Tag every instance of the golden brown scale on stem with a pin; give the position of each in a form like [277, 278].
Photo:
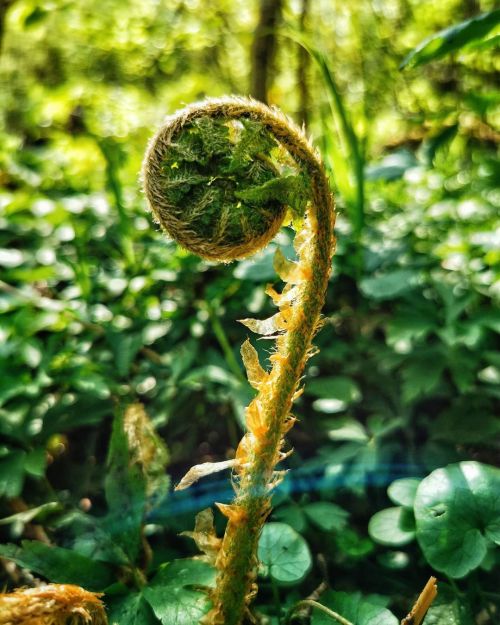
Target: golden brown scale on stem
[268, 415]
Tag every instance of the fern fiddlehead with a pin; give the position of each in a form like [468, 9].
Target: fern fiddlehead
[218, 177]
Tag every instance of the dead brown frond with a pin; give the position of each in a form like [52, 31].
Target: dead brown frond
[52, 604]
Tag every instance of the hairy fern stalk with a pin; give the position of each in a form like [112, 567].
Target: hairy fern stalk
[220, 177]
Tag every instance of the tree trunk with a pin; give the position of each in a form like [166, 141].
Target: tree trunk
[264, 48]
[302, 84]
[4, 6]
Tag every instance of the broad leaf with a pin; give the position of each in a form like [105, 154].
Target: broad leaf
[453, 38]
[60, 565]
[131, 609]
[402, 492]
[174, 592]
[447, 609]
[125, 488]
[457, 511]
[393, 527]
[38, 513]
[340, 387]
[125, 348]
[354, 608]
[421, 374]
[389, 285]
[451, 612]
[12, 474]
[284, 553]
[325, 515]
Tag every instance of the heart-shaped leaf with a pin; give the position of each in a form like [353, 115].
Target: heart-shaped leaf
[284, 553]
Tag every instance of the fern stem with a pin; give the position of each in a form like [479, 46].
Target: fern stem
[268, 416]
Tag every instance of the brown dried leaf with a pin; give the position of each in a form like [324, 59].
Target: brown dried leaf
[204, 535]
[265, 327]
[52, 604]
[233, 512]
[255, 419]
[255, 373]
[284, 299]
[202, 470]
[146, 448]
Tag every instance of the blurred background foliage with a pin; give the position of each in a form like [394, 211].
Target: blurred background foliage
[100, 311]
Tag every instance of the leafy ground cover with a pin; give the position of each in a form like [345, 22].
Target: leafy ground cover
[395, 472]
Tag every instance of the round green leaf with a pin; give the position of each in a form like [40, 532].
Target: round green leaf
[284, 552]
[353, 607]
[402, 492]
[392, 527]
[457, 512]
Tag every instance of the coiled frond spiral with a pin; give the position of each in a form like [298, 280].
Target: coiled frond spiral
[220, 177]
[216, 183]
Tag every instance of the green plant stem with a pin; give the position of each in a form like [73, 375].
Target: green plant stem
[276, 598]
[114, 185]
[318, 606]
[224, 343]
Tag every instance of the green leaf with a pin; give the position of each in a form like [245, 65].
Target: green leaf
[132, 609]
[284, 552]
[402, 492]
[292, 190]
[339, 387]
[407, 328]
[292, 515]
[467, 424]
[421, 374]
[346, 429]
[327, 516]
[125, 348]
[449, 610]
[390, 284]
[392, 527]
[12, 474]
[174, 592]
[92, 384]
[38, 513]
[36, 462]
[125, 488]
[353, 607]
[59, 565]
[392, 166]
[353, 544]
[453, 38]
[457, 512]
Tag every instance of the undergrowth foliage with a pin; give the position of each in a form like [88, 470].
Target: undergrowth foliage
[114, 340]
